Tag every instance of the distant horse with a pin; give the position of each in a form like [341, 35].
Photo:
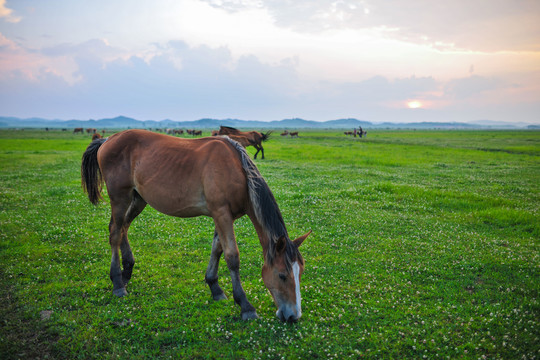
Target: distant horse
[294, 134]
[285, 133]
[210, 176]
[255, 138]
[96, 136]
[77, 130]
[242, 140]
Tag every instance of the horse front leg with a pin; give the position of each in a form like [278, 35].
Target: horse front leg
[211, 276]
[224, 226]
[233, 263]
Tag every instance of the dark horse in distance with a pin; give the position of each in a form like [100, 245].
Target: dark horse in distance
[211, 176]
[254, 138]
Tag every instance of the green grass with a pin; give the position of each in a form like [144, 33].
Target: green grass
[424, 244]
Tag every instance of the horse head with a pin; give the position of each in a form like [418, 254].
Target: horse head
[281, 274]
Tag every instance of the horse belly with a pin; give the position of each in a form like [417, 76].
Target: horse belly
[179, 205]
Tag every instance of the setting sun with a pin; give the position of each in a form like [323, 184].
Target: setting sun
[415, 104]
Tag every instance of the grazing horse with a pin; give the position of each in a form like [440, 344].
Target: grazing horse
[255, 138]
[96, 136]
[211, 176]
[77, 130]
[294, 134]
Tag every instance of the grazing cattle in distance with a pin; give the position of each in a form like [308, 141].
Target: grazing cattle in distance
[255, 138]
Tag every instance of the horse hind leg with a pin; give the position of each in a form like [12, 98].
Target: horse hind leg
[123, 212]
[258, 148]
[211, 276]
[128, 261]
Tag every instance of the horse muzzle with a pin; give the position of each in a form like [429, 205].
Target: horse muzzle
[288, 313]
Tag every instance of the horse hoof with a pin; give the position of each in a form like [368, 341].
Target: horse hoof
[250, 315]
[120, 292]
[221, 296]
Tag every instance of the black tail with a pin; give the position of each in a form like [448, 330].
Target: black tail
[266, 135]
[92, 181]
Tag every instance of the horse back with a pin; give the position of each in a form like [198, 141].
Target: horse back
[179, 177]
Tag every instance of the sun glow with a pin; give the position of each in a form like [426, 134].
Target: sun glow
[414, 104]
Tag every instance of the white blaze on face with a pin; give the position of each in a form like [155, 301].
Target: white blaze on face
[296, 273]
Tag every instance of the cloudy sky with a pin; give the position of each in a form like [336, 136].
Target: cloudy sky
[376, 60]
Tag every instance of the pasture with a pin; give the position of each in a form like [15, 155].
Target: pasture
[425, 244]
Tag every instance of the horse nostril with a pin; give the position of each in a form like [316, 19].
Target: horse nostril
[292, 319]
[286, 315]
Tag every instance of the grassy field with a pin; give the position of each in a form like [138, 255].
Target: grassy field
[425, 244]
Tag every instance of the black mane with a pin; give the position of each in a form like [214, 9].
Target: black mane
[267, 210]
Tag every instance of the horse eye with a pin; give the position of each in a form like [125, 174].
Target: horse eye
[283, 277]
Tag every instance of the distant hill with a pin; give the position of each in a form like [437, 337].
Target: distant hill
[123, 122]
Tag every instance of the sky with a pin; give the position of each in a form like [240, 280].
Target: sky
[374, 60]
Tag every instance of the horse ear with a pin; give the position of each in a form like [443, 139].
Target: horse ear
[281, 243]
[297, 242]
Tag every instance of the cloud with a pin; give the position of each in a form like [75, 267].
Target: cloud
[466, 88]
[7, 13]
[480, 25]
[208, 82]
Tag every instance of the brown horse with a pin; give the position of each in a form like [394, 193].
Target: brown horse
[242, 140]
[210, 176]
[96, 136]
[255, 138]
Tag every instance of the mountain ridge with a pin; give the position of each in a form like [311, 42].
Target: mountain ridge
[122, 122]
